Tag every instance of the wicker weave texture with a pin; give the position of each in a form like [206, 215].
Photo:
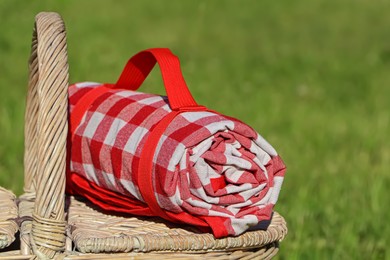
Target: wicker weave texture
[15, 255]
[8, 216]
[95, 232]
[262, 253]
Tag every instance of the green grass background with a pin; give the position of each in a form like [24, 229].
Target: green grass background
[313, 77]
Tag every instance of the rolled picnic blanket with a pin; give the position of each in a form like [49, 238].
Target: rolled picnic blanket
[151, 155]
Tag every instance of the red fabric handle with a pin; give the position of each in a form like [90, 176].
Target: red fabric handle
[139, 67]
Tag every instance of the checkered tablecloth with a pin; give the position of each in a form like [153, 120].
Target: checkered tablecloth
[209, 170]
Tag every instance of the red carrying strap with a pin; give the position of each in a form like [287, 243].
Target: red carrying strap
[139, 67]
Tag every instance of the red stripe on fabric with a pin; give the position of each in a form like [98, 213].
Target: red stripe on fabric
[218, 183]
[145, 167]
[183, 132]
[139, 117]
[95, 147]
[76, 149]
[218, 225]
[279, 166]
[168, 180]
[79, 93]
[82, 106]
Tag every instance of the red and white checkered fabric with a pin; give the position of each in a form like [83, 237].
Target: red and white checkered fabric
[208, 169]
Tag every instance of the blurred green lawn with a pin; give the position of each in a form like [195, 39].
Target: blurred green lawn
[313, 77]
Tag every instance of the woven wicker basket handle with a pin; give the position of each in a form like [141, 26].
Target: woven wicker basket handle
[46, 134]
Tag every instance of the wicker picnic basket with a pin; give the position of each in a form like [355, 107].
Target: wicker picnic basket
[54, 225]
